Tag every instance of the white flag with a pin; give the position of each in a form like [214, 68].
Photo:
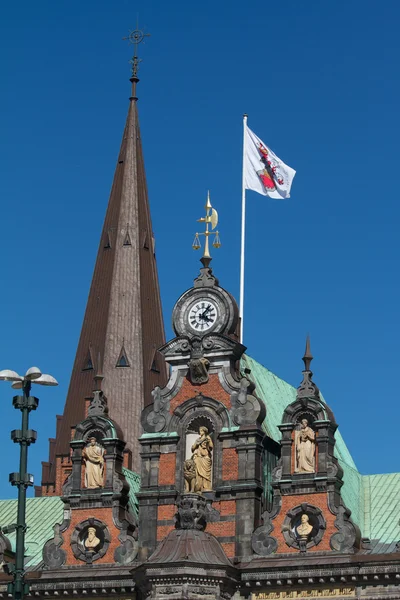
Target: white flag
[264, 172]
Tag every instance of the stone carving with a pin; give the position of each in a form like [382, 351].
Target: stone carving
[53, 555]
[305, 449]
[344, 540]
[202, 458]
[127, 551]
[198, 369]
[192, 512]
[92, 541]
[213, 515]
[304, 529]
[93, 456]
[98, 405]
[157, 418]
[206, 277]
[5, 548]
[67, 486]
[277, 471]
[189, 472]
[303, 526]
[261, 542]
[246, 409]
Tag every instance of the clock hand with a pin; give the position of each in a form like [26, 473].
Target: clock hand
[203, 314]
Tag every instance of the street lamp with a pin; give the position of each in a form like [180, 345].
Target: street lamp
[24, 437]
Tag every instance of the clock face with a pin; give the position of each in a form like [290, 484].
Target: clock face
[202, 315]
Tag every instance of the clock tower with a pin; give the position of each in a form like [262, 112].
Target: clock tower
[202, 433]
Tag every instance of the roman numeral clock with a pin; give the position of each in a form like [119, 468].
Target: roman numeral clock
[203, 314]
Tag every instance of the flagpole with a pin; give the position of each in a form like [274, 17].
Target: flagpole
[241, 299]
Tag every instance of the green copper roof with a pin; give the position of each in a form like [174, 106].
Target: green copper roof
[382, 510]
[41, 515]
[277, 394]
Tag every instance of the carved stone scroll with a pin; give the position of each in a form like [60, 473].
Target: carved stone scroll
[344, 540]
[53, 555]
[261, 542]
[156, 419]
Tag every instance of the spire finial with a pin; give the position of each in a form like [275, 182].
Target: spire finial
[307, 358]
[135, 37]
[307, 388]
[211, 218]
[98, 378]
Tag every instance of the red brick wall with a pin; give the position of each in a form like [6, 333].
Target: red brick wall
[166, 512]
[49, 490]
[212, 388]
[166, 475]
[229, 549]
[289, 502]
[225, 507]
[230, 464]
[222, 528]
[63, 469]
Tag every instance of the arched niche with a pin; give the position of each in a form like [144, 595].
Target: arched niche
[187, 420]
[108, 444]
[199, 454]
[315, 409]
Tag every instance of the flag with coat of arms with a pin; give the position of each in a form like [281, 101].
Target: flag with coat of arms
[263, 171]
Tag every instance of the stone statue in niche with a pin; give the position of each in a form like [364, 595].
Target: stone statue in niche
[93, 456]
[202, 458]
[189, 472]
[92, 541]
[305, 528]
[304, 449]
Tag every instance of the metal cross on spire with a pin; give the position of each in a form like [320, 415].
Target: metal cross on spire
[136, 37]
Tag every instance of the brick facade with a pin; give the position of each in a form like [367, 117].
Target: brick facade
[230, 464]
[212, 388]
[167, 469]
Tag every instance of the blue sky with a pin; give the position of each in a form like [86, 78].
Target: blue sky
[320, 82]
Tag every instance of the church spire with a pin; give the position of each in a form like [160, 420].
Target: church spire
[123, 310]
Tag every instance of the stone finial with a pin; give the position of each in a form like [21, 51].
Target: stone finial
[98, 378]
[307, 358]
[307, 388]
[98, 404]
[206, 277]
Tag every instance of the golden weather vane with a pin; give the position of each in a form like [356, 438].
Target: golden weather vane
[211, 219]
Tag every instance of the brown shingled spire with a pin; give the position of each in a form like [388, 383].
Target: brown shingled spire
[123, 308]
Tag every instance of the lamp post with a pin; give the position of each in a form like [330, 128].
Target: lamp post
[24, 437]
